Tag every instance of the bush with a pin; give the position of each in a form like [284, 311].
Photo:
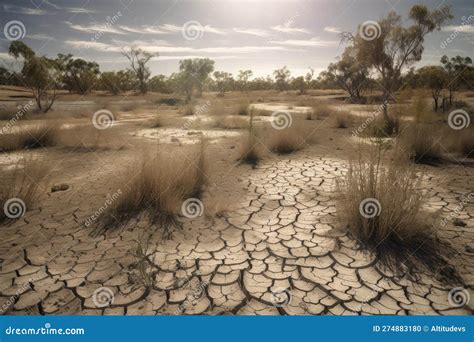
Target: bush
[381, 206]
[288, 140]
[230, 122]
[170, 101]
[421, 144]
[158, 185]
[250, 149]
[342, 119]
[22, 183]
[187, 110]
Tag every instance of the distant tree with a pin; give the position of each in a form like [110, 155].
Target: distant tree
[79, 75]
[282, 77]
[224, 81]
[396, 47]
[349, 74]
[40, 74]
[434, 78]
[457, 69]
[160, 84]
[193, 74]
[243, 79]
[118, 82]
[138, 59]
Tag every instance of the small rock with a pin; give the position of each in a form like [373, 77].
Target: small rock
[59, 187]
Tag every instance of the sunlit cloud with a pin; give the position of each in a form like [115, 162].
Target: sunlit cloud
[144, 29]
[289, 29]
[253, 32]
[332, 29]
[307, 42]
[459, 28]
[94, 28]
[24, 10]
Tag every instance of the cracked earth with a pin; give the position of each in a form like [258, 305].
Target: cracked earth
[277, 250]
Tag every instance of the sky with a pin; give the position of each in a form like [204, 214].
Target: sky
[258, 35]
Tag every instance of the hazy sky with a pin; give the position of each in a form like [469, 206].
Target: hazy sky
[257, 35]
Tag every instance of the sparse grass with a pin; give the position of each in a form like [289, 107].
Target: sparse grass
[230, 122]
[420, 143]
[158, 185]
[321, 111]
[250, 150]
[85, 138]
[22, 183]
[242, 107]
[398, 232]
[288, 140]
[29, 136]
[461, 141]
[343, 119]
[128, 106]
[187, 110]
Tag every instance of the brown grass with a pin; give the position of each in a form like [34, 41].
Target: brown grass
[321, 111]
[158, 184]
[288, 140]
[343, 119]
[85, 138]
[398, 232]
[22, 183]
[230, 122]
[421, 142]
[29, 136]
[250, 149]
[187, 110]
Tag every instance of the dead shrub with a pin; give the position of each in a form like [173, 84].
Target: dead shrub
[230, 122]
[343, 119]
[381, 206]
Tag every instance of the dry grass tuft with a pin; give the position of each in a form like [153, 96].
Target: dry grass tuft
[158, 184]
[343, 119]
[288, 140]
[396, 230]
[250, 149]
[420, 143]
[86, 138]
[321, 111]
[29, 136]
[230, 122]
[187, 110]
[22, 183]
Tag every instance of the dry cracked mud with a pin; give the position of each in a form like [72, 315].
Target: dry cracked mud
[277, 252]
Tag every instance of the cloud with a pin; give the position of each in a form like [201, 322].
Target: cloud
[24, 10]
[94, 28]
[253, 32]
[307, 42]
[80, 10]
[204, 28]
[459, 28]
[144, 29]
[332, 29]
[154, 48]
[289, 29]
[40, 36]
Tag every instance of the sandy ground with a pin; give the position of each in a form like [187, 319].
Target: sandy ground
[274, 248]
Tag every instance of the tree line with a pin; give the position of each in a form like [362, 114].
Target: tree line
[385, 63]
